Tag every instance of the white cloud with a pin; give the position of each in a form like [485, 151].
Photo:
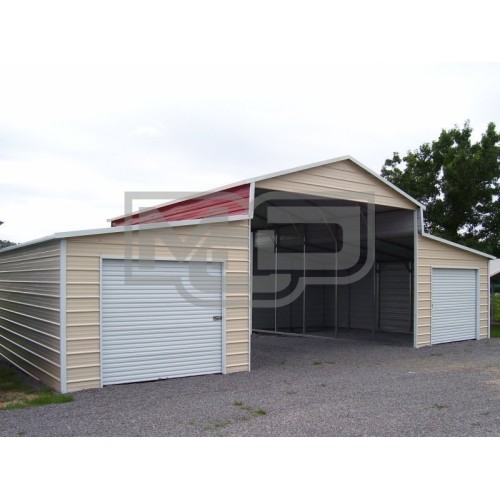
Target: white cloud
[149, 131]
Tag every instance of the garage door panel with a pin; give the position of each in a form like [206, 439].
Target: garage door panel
[178, 356]
[454, 305]
[160, 323]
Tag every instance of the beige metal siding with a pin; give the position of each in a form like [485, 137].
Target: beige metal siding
[30, 310]
[219, 242]
[345, 178]
[432, 253]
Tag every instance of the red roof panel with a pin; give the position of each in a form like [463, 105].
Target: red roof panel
[232, 201]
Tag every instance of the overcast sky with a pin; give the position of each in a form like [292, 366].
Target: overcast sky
[97, 101]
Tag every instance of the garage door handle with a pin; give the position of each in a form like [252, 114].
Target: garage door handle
[217, 318]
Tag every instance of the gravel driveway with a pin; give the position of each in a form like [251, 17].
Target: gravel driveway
[297, 387]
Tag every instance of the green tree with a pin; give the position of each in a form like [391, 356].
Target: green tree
[458, 182]
[6, 243]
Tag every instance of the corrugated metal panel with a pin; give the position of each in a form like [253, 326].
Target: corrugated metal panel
[343, 305]
[329, 180]
[394, 224]
[233, 201]
[395, 297]
[361, 303]
[30, 310]
[160, 322]
[454, 305]
[435, 253]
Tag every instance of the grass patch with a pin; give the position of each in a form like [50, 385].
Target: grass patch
[10, 379]
[495, 331]
[437, 354]
[48, 398]
[17, 390]
[256, 412]
[217, 425]
[319, 363]
[440, 406]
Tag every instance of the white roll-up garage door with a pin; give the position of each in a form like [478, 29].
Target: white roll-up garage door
[160, 319]
[454, 305]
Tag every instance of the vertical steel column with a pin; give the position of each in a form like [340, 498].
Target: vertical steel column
[376, 297]
[336, 303]
[275, 279]
[304, 283]
[410, 267]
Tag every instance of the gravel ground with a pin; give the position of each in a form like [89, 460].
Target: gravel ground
[297, 387]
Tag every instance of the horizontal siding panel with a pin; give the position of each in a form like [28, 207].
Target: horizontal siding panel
[31, 298]
[83, 276]
[18, 311]
[237, 289]
[86, 318]
[82, 290]
[83, 304]
[29, 310]
[15, 331]
[238, 336]
[236, 312]
[76, 346]
[235, 325]
[237, 360]
[237, 348]
[238, 368]
[84, 359]
[343, 176]
[84, 373]
[80, 332]
[35, 253]
[14, 319]
[24, 346]
[82, 262]
[79, 385]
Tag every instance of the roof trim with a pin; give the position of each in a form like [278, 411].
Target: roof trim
[457, 245]
[252, 181]
[123, 229]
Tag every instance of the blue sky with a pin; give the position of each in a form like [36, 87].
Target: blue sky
[173, 98]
